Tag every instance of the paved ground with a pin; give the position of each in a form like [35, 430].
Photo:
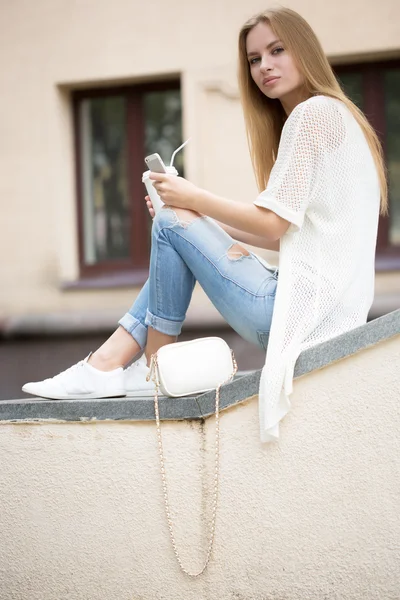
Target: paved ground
[33, 359]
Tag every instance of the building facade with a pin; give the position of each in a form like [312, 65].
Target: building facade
[89, 88]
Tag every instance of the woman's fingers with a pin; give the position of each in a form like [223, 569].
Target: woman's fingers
[150, 206]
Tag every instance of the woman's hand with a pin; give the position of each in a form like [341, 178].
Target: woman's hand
[175, 191]
[150, 207]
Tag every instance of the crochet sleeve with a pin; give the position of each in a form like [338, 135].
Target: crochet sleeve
[313, 128]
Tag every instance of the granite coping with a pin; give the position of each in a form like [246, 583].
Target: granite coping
[202, 406]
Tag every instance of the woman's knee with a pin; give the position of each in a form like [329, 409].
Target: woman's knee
[169, 216]
[185, 216]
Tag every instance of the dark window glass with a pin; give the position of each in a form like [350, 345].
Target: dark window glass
[163, 130]
[392, 115]
[115, 130]
[352, 84]
[104, 185]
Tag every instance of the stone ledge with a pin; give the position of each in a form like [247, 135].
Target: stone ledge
[242, 388]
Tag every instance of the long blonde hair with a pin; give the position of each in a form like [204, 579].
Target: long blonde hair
[265, 117]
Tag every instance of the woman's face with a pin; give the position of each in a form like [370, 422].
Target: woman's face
[272, 68]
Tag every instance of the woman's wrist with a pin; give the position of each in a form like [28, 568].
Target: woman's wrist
[205, 201]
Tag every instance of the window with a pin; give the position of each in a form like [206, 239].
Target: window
[115, 129]
[375, 88]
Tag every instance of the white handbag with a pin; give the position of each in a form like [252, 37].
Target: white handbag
[187, 368]
[192, 367]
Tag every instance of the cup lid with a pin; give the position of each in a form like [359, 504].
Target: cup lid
[170, 171]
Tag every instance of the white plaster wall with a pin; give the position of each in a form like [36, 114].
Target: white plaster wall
[313, 517]
[49, 47]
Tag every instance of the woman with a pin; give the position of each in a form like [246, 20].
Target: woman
[320, 172]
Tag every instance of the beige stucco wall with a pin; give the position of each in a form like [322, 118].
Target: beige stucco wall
[315, 516]
[50, 47]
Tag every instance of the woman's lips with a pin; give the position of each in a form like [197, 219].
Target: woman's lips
[270, 80]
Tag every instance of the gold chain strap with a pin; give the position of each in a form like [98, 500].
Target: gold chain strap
[216, 472]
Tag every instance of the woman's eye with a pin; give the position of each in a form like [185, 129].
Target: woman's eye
[253, 61]
[277, 50]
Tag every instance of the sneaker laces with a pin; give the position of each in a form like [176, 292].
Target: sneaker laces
[135, 364]
[67, 371]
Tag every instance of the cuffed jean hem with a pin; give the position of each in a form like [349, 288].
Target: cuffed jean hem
[163, 325]
[135, 328]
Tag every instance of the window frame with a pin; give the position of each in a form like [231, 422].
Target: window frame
[387, 255]
[134, 269]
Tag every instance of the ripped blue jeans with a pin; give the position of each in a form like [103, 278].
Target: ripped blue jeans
[186, 250]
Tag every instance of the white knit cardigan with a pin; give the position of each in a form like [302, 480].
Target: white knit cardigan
[325, 183]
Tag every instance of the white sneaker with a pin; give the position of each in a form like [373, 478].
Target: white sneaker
[135, 379]
[80, 381]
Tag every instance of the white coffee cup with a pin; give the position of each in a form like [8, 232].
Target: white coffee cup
[154, 197]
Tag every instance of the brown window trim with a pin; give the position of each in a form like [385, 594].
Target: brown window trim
[117, 279]
[114, 273]
[387, 256]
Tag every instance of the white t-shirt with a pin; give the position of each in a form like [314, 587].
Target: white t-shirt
[325, 183]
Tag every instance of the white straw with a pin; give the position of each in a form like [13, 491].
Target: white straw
[177, 150]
